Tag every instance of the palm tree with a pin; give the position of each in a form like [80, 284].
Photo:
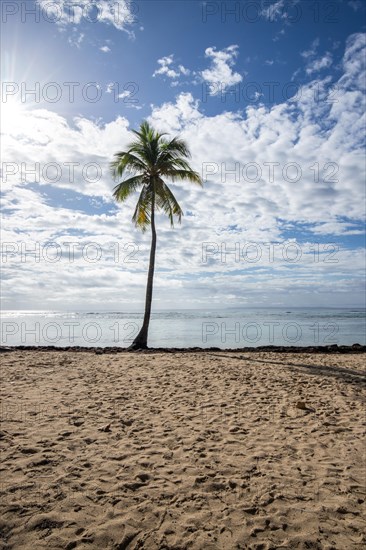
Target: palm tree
[149, 159]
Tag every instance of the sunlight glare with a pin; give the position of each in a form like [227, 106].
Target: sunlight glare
[13, 115]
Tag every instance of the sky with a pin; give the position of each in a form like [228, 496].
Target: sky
[270, 98]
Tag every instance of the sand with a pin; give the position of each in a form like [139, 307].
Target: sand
[206, 450]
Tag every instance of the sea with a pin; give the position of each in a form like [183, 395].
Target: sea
[204, 328]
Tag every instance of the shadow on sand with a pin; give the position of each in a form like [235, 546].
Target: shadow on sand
[347, 375]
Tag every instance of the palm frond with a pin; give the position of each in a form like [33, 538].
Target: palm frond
[167, 201]
[176, 147]
[126, 160]
[142, 214]
[190, 175]
[171, 163]
[128, 187]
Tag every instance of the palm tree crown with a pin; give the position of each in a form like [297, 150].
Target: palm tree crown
[149, 159]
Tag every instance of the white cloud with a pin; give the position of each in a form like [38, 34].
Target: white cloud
[275, 11]
[324, 139]
[313, 49]
[257, 95]
[125, 94]
[221, 75]
[318, 64]
[184, 70]
[314, 64]
[75, 39]
[279, 35]
[105, 49]
[354, 63]
[171, 117]
[292, 132]
[129, 103]
[166, 68]
[337, 228]
[118, 13]
[43, 135]
[134, 106]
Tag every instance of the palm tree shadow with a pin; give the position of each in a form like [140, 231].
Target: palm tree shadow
[346, 375]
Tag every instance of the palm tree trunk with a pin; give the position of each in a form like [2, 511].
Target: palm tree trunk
[140, 342]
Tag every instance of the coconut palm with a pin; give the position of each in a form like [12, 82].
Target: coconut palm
[147, 160]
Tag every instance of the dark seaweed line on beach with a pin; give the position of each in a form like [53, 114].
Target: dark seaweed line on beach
[355, 348]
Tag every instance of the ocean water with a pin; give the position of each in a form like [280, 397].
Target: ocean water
[230, 328]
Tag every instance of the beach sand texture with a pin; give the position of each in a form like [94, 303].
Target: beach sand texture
[203, 450]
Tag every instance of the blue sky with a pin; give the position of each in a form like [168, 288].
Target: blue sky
[270, 97]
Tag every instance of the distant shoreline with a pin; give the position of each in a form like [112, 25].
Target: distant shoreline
[331, 349]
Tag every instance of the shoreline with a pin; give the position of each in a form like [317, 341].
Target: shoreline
[329, 349]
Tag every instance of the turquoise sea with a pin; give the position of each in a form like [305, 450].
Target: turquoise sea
[229, 328]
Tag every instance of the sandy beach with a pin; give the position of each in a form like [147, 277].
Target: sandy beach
[202, 450]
